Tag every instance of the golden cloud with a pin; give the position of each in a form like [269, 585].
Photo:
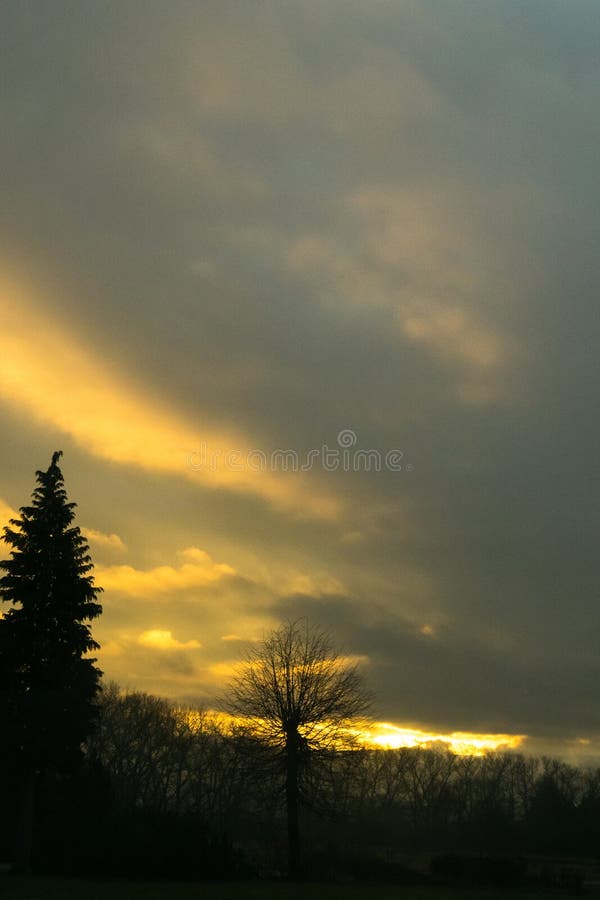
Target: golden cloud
[115, 420]
[452, 330]
[157, 639]
[198, 570]
[219, 674]
[315, 585]
[104, 541]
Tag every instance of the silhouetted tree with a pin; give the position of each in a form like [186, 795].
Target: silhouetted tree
[300, 697]
[153, 749]
[47, 684]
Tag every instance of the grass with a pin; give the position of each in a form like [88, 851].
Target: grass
[38, 888]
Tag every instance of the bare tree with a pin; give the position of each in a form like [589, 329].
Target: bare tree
[299, 697]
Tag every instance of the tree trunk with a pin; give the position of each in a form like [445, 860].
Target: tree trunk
[25, 823]
[291, 796]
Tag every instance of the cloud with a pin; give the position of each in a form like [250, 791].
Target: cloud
[157, 639]
[257, 72]
[197, 570]
[316, 584]
[98, 539]
[248, 72]
[421, 255]
[116, 421]
[220, 673]
[174, 149]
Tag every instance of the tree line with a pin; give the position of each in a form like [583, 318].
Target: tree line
[162, 757]
[172, 791]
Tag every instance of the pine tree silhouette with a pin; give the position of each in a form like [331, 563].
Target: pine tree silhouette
[47, 684]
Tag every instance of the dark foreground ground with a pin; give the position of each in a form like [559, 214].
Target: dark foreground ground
[16, 888]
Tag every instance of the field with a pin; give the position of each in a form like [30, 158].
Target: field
[13, 888]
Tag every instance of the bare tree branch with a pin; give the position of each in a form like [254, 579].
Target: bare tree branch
[298, 695]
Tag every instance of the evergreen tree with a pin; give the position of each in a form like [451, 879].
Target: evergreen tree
[47, 684]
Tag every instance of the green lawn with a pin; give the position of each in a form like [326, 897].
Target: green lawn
[15, 888]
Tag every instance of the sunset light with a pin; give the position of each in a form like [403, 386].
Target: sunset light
[299, 380]
[464, 743]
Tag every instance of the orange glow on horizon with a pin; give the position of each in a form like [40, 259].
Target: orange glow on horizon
[386, 736]
[464, 743]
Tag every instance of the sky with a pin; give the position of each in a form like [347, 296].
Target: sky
[307, 293]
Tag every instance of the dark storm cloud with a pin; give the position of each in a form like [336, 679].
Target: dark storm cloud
[299, 218]
[436, 677]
